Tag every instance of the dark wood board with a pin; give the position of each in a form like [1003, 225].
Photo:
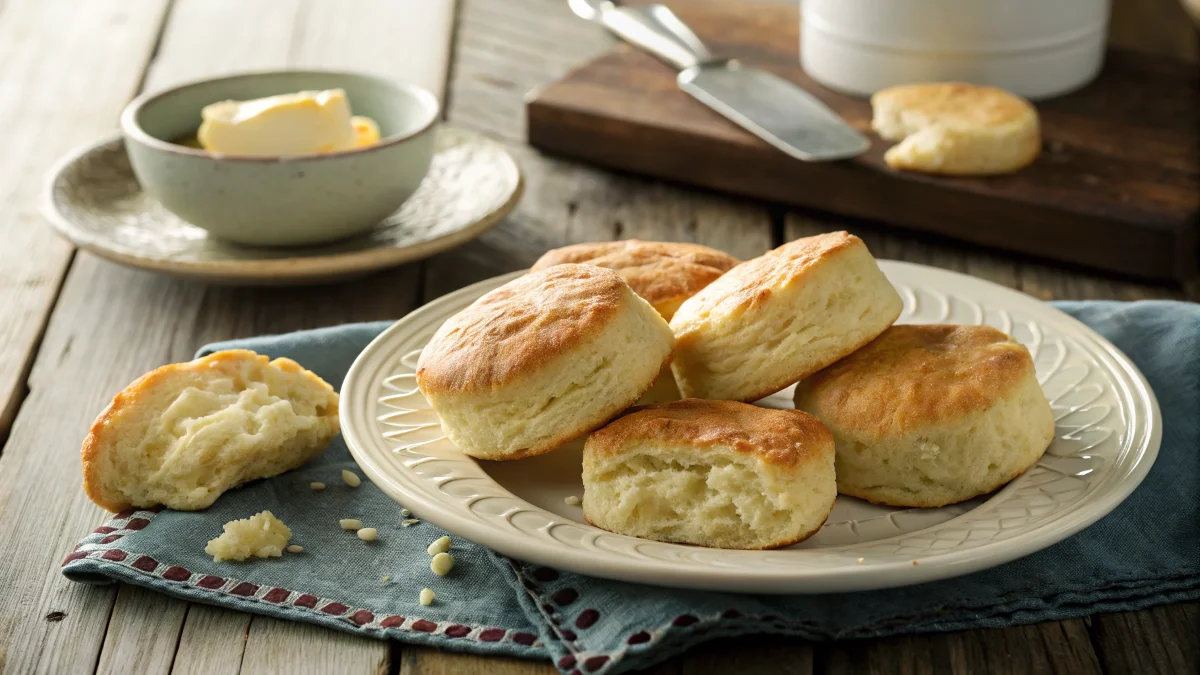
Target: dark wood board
[1117, 186]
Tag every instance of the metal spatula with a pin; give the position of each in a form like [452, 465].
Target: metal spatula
[767, 106]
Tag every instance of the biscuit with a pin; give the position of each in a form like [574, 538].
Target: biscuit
[664, 273]
[775, 319]
[185, 433]
[714, 473]
[956, 129]
[929, 415]
[541, 360]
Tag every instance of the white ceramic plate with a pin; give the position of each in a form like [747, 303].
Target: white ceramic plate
[1108, 432]
[93, 198]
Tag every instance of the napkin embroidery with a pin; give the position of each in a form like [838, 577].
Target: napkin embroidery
[101, 547]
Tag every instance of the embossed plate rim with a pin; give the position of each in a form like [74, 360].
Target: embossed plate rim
[272, 271]
[820, 570]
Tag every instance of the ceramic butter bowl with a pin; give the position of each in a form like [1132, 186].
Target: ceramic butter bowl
[282, 201]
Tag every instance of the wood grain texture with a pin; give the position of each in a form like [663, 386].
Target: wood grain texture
[143, 632]
[139, 321]
[112, 324]
[212, 642]
[1039, 649]
[65, 72]
[66, 69]
[749, 655]
[1162, 639]
[1115, 188]
[427, 661]
[504, 49]
[276, 646]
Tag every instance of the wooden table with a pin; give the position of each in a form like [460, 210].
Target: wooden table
[75, 329]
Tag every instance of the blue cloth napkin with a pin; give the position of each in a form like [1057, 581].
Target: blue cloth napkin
[1146, 552]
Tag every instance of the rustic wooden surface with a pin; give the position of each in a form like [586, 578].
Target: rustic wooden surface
[1131, 206]
[75, 329]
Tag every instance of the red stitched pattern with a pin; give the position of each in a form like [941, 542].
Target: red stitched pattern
[245, 590]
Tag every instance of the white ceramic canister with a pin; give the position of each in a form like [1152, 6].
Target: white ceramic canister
[1035, 48]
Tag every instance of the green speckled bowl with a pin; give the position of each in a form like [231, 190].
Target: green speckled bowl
[284, 201]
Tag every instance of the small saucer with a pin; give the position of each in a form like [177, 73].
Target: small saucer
[93, 198]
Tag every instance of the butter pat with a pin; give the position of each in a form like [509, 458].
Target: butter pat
[261, 535]
[307, 122]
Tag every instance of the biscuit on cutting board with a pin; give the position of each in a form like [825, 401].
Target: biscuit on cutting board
[956, 129]
[183, 434]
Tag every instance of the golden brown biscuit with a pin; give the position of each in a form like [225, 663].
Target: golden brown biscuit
[714, 473]
[775, 319]
[183, 434]
[664, 273]
[928, 415]
[543, 359]
[956, 129]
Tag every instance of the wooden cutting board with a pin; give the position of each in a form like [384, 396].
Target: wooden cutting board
[1117, 185]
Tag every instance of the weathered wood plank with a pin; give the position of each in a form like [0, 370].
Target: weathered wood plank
[212, 642]
[66, 69]
[779, 656]
[295, 33]
[1037, 278]
[407, 40]
[427, 661]
[505, 49]
[276, 646]
[156, 619]
[1151, 641]
[1051, 647]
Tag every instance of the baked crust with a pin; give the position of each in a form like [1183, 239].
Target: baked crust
[917, 376]
[664, 273]
[753, 282]
[779, 437]
[520, 327]
[956, 129]
[107, 425]
[957, 104]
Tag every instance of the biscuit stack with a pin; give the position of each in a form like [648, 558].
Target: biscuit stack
[904, 415]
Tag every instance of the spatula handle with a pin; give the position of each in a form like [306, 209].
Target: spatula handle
[656, 29]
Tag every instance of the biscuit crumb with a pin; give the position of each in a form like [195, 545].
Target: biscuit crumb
[441, 564]
[914, 563]
[368, 534]
[351, 478]
[261, 536]
[861, 560]
[404, 513]
[439, 546]
[316, 487]
[350, 524]
[295, 548]
[427, 597]
[409, 523]
[387, 578]
[572, 501]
